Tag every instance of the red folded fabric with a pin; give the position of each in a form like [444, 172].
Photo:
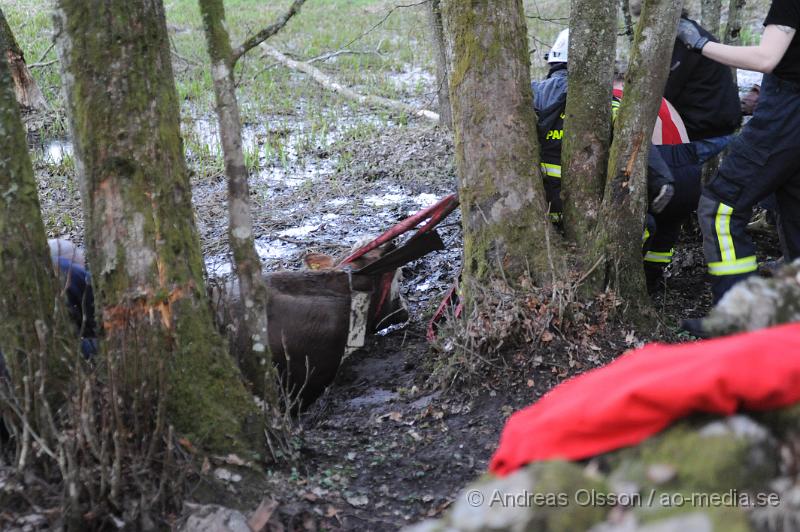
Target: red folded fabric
[645, 390]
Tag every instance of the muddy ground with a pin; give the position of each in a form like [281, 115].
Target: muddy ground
[387, 444]
[391, 441]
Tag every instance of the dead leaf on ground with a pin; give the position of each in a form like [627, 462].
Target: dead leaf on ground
[258, 521]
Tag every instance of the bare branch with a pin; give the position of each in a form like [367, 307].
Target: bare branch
[331, 84]
[266, 33]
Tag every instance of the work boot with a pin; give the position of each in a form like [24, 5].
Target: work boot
[654, 277]
[694, 326]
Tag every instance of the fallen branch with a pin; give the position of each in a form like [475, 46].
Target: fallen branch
[329, 83]
[266, 33]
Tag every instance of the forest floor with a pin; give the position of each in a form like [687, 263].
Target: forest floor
[389, 443]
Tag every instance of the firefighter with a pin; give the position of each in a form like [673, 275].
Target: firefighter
[762, 160]
[703, 92]
[549, 102]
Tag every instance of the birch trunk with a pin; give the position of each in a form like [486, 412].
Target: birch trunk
[143, 242]
[256, 362]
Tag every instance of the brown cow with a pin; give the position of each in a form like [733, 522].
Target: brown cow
[316, 316]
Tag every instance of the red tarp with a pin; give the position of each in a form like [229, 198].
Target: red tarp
[643, 391]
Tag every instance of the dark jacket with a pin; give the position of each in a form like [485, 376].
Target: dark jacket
[703, 91]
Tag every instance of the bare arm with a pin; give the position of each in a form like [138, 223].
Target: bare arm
[762, 58]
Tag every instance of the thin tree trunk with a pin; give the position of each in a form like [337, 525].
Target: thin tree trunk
[440, 57]
[587, 125]
[34, 334]
[711, 13]
[27, 91]
[329, 83]
[501, 191]
[256, 363]
[143, 242]
[733, 29]
[626, 14]
[625, 199]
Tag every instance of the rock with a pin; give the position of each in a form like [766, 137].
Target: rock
[758, 303]
[694, 522]
[227, 476]
[540, 497]
[213, 518]
[713, 463]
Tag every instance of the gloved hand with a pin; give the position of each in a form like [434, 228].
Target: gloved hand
[689, 35]
[662, 199]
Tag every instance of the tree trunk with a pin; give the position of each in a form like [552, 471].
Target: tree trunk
[711, 13]
[502, 197]
[143, 242]
[440, 57]
[733, 29]
[27, 91]
[626, 14]
[625, 200]
[256, 363]
[34, 334]
[587, 125]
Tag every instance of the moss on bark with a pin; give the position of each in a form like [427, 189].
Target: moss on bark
[32, 322]
[501, 193]
[143, 243]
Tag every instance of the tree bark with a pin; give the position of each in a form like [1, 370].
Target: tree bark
[27, 91]
[711, 14]
[440, 58]
[500, 188]
[256, 362]
[587, 125]
[34, 334]
[733, 29]
[143, 242]
[625, 200]
[626, 14]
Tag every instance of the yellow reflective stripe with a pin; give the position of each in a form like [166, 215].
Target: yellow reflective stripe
[551, 170]
[733, 267]
[555, 217]
[722, 223]
[664, 257]
[646, 235]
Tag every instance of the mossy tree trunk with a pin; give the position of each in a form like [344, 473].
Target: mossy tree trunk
[256, 363]
[434, 9]
[34, 336]
[625, 199]
[27, 91]
[587, 125]
[143, 243]
[500, 188]
[710, 15]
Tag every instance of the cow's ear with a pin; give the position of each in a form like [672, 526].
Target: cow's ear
[318, 261]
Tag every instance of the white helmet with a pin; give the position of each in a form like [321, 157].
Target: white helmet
[558, 53]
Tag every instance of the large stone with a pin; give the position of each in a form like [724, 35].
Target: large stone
[758, 303]
[213, 518]
[539, 497]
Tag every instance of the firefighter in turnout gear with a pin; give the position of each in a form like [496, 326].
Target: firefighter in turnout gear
[763, 160]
